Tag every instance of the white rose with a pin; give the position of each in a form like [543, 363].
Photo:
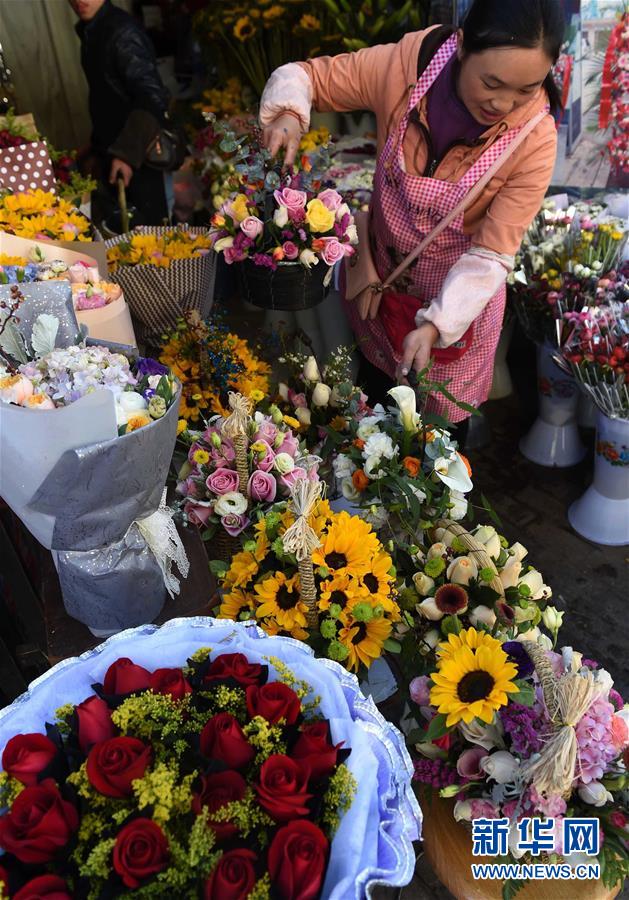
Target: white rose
[502, 766]
[595, 794]
[488, 536]
[308, 259]
[535, 583]
[429, 642]
[487, 736]
[423, 583]
[533, 634]
[462, 811]
[518, 551]
[351, 234]
[552, 618]
[121, 416]
[311, 370]
[232, 502]
[131, 402]
[603, 682]
[458, 506]
[438, 549]
[303, 415]
[482, 615]
[223, 244]
[343, 466]
[368, 426]
[372, 468]
[349, 491]
[380, 445]
[343, 210]
[280, 216]
[406, 400]
[462, 570]
[444, 536]
[284, 463]
[282, 390]
[510, 573]
[321, 394]
[429, 610]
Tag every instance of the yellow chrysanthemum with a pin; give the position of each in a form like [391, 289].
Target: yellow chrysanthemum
[348, 547]
[201, 457]
[292, 423]
[472, 680]
[139, 420]
[279, 599]
[364, 641]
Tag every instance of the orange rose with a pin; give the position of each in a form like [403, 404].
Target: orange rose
[318, 245]
[360, 480]
[466, 463]
[278, 254]
[359, 443]
[412, 465]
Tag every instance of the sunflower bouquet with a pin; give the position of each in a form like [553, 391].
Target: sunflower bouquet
[340, 598]
[515, 731]
[42, 215]
[404, 474]
[209, 361]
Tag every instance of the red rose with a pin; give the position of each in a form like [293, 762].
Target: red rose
[170, 682]
[236, 666]
[216, 791]
[113, 764]
[273, 702]
[313, 748]
[49, 886]
[297, 860]
[27, 755]
[233, 878]
[283, 788]
[222, 738]
[93, 723]
[39, 824]
[141, 850]
[123, 677]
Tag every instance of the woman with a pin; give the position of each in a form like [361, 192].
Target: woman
[450, 105]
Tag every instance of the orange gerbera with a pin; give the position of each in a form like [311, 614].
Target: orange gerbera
[360, 480]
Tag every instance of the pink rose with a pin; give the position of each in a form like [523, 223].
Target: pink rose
[291, 477]
[291, 250]
[233, 255]
[420, 690]
[197, 513]
[289, 445]
[333, 250]
[297, 216]
[298, 400]
[618, 819]
[222, 481]
[330, 198]
[262, 487]
[252, 226]
[265, 463]
[468, 763]
[267, 432]
[81, 271]
[234, 524]
[291, 199]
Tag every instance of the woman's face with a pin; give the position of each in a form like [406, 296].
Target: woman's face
[495, 82]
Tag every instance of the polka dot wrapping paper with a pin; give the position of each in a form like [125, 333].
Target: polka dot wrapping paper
[26, 167]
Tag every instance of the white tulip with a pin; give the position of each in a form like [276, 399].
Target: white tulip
[510, 573]
[501, 766]
[462, 811]
[552, 618]
[131, 401]
[534, 581]
[349, 491]
[488, 536]
[462, 570]
[429, 642]
[282, 390]
[321, 394]
[232, 502]
[595, 794]
[406, 400]
[284, 463]
[308, 259]
[223, 244]
[487, 736]
[482, 615]
[423, 583]
[303, 415]
[533, 634]
[438, 549]
[518, 551]
[280, 216]
[311, 370]
[429, 610]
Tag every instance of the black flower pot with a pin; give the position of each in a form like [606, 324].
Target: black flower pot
[289, 287]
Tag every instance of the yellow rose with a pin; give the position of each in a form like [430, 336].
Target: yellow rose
[318, 216]
[239, 207]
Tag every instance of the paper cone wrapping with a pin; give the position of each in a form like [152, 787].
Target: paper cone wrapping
[71, 252]
[109, 323]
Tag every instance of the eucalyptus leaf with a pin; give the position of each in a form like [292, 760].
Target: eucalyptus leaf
[11, 340]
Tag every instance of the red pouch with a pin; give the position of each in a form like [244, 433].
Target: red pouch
[397, 314]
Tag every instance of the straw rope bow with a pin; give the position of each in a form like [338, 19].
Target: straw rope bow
[301, 539]
[235, 428]
[567, 700]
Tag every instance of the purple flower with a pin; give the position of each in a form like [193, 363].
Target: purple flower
[616, 699]
[434, 772]
[148, 393]
[517, 654]
[234, 524]
[146, 367]
[527, 728]
[263, 259]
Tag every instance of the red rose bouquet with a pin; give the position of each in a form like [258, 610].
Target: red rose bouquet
[204, 781]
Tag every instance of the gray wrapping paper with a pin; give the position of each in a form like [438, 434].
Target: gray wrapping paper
[52, 297]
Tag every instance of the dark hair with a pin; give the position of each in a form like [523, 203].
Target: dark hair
[517, 23]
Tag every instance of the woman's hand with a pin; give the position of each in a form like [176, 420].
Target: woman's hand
[284, 131]
[119, 168]
[416, 350]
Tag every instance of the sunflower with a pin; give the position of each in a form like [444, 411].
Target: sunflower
[272, 628]
[348, 547]
[364, 641]
[472, 679]
[341, 590]
[243, 568]
[279, 599]
[378, 581]
[234, 603]
[467, 638]
[244, 29]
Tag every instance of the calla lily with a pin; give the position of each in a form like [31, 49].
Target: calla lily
[407, 404]
[453, 473]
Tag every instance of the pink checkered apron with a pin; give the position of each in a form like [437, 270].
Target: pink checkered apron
[407, 208]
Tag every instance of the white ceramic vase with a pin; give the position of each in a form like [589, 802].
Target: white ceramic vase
[554, 437]
[602, 514]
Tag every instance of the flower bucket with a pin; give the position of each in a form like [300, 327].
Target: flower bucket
[602, 514]
[554, 438]
[289, 287]
[448, 848]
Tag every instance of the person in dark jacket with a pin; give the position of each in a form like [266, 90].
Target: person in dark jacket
[128, 104]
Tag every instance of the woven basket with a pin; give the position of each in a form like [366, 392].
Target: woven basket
[224, 546]
[475, 549]
[289, 287]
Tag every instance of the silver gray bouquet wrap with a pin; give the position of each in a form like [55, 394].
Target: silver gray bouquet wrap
[98, 506]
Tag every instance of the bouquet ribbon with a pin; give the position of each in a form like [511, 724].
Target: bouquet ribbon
[161, 535]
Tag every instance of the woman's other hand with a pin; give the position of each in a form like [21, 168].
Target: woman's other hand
[416, 350]
[284, 131]
[119, 168]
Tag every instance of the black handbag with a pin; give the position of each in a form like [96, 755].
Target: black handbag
[167, 151]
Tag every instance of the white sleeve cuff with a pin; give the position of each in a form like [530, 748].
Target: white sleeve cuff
[468, 288]
[288, 89]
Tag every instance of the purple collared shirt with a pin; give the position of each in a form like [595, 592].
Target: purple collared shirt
[449, 120]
